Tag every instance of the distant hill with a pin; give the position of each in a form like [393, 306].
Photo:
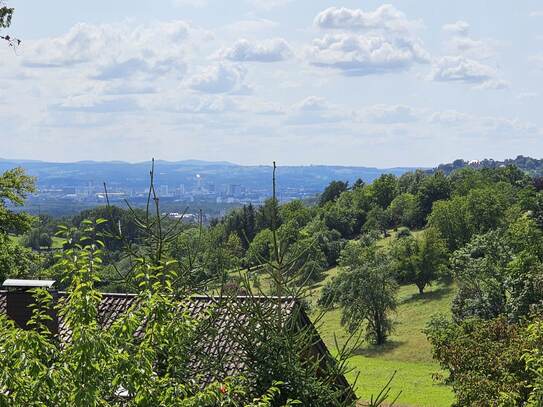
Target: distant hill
[191, 172]
[532, 166]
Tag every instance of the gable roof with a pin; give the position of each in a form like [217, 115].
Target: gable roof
[224, 313]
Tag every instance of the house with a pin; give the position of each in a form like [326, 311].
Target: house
[224, 315]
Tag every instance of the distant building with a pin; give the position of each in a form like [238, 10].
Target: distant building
[164, 191]
[234, 190]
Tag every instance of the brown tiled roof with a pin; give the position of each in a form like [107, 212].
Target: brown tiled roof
[223, 314]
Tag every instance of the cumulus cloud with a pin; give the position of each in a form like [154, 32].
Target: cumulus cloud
[273, 50]
[385, 17]
[449, 118]
[209, 105]
[311, 104]
[129, 88]
[390, 114]
[314, 110]
[457, 28]
[218, 78]
[487, 126]
[268, 4]
[366, 43]
[190, 3]
[119, 69]
[460, 43]
[464, 70]
[354, 54]
[94, 104]
[90, 43]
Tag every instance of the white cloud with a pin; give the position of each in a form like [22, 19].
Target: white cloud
[449, 118]
[209, 105]
[311, 104]
[536, 13]
[385, 17]
[365, 43]
[122, 69]
[268, 4]
[486, 126]
[536, 61]
[464, 70]
[460, 43]
[100, 44]
[190, 3]
[97, 104]
[457, 28]
[354, 54]
[390, 114]
[273, 50]
[315, 110]
[250, 26]
[218, 78]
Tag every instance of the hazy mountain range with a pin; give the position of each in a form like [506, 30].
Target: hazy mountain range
[189, 172]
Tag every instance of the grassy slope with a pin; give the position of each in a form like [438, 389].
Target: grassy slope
[57, 241]
[408, 351]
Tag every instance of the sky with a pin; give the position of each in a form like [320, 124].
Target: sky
[366, 83]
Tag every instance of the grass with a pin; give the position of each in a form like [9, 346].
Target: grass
[408, 352]
[56, 244]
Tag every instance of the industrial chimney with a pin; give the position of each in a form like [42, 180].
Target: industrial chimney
[19, 299]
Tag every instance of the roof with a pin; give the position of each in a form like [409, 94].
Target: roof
[112, 305]
[222, 313]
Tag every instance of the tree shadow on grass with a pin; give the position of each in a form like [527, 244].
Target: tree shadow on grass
[378, 350]
[433, 295]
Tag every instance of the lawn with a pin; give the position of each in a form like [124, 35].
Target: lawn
[408, 352]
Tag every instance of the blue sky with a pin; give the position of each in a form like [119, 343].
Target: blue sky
[403, 83]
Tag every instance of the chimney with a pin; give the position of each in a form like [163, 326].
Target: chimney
[19, 299]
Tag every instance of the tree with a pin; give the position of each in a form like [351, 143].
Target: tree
[450, 218]
[333, 191]
[434, 188]
[36, 239]
[366, 291]
[268, 216]
[404, 210]
[484, 359]
[410, 182]
[485, 208]
[377, 219]
[341, 218]
[537, 212]
[422, 260]
[385, 189]
[6, 15]
[15, 185]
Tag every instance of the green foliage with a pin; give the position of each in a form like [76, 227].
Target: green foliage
[385, 189]
[17, 261]
[36, 239]
[332, 192]
[450, 219]
[378, 220]
[404, 211]
[6, 13]
[420, 260]
[484, 359]
[366, 291]
[479, 269]
[14, 188]
[434, 188]
[268, 216]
